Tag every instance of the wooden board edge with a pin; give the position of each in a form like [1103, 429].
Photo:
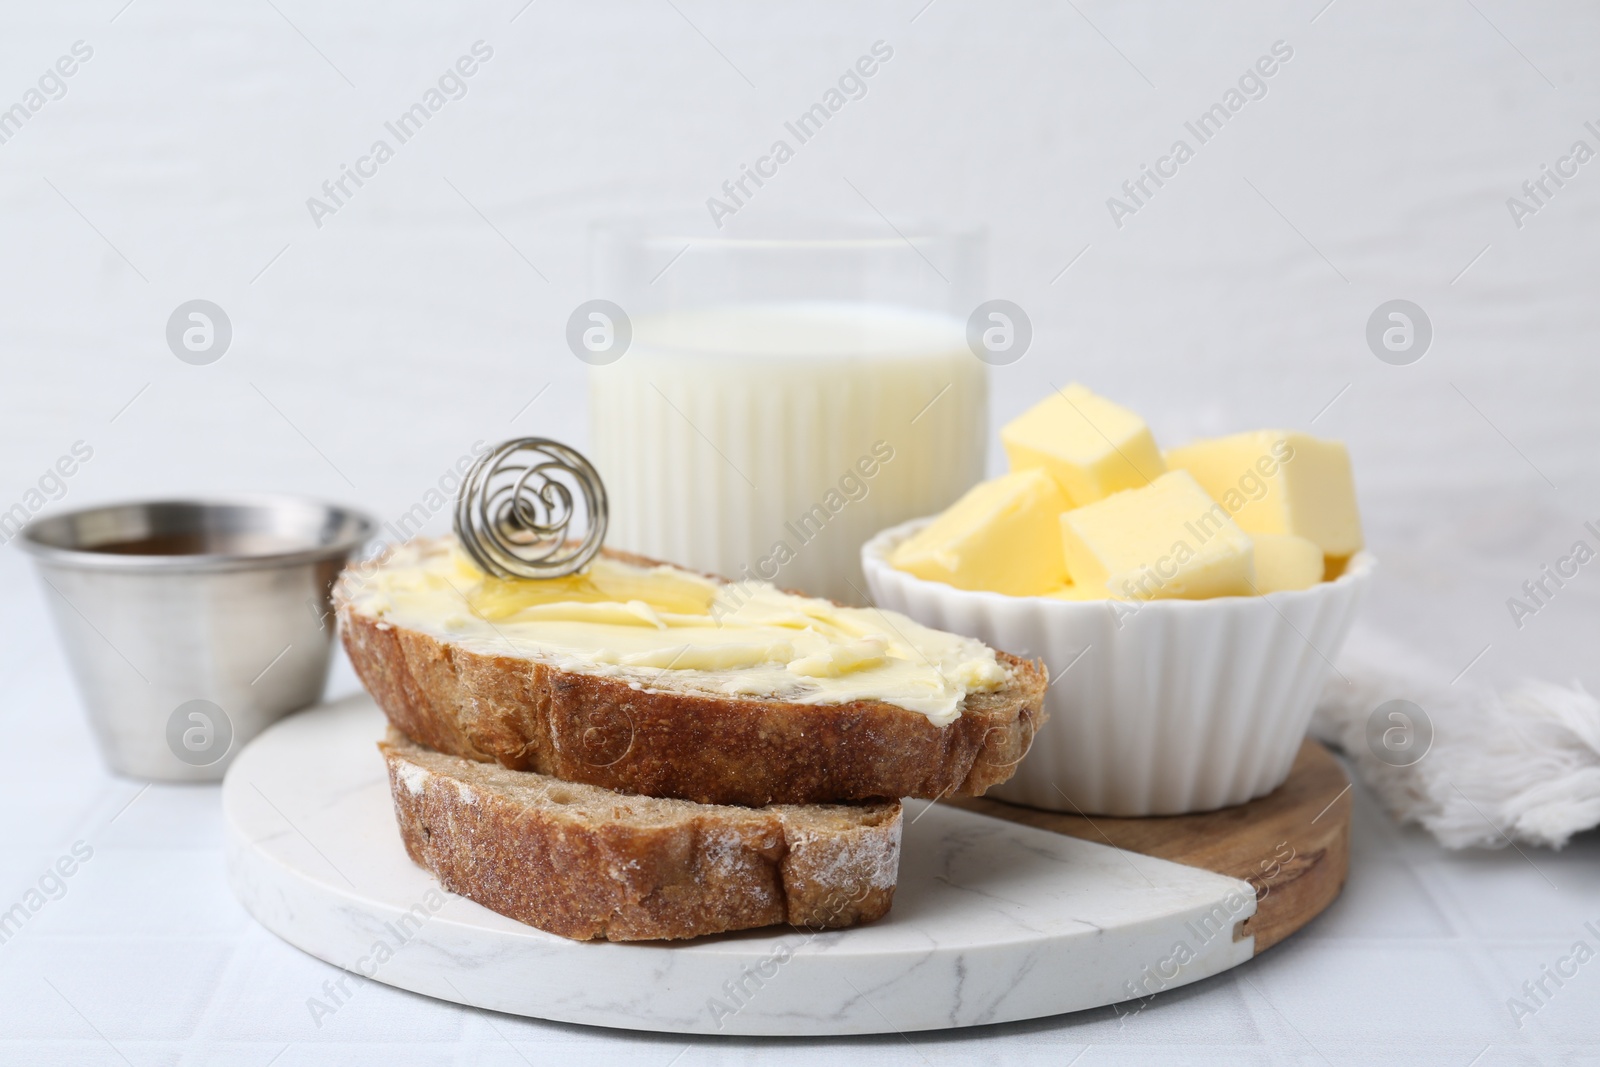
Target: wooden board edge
[1292, 845]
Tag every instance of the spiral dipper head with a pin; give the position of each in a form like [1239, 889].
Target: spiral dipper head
[517, 504]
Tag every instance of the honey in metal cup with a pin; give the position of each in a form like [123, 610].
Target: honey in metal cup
[191, 626]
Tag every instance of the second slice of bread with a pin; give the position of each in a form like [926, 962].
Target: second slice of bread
[586, 862]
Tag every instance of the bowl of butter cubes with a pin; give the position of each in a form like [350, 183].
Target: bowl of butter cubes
[1188, 604]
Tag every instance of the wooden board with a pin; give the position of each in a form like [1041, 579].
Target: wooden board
[1293, 844]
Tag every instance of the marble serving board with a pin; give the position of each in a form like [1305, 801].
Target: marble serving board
[993, 921]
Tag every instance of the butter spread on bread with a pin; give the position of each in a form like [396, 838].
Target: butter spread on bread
[662, 627]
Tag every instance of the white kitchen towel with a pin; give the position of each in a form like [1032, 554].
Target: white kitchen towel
[1474, 767]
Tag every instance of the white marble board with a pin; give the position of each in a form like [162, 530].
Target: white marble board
[992, 921]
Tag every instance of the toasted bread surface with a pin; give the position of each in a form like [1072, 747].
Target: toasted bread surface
[587, 863]
[528, 715]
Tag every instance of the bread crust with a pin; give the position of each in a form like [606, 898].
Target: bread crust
[527, 715]
[588, 863]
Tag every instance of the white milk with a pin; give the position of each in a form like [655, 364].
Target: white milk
[770, 440]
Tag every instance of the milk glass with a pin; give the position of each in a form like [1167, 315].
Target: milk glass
[785, 393]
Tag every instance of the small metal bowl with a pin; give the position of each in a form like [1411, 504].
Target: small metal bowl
[191, 626]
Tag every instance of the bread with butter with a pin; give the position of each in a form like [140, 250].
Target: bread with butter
[458, 673]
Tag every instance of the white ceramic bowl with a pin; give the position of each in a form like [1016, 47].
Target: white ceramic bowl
[1157, 708]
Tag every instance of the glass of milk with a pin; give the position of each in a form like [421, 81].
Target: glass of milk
[787, 392]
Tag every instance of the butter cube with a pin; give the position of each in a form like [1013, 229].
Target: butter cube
[1167, 540]
[1285, 562]
[1090, 446]
[1280, 482]
[1001, 536]
[1077, 592]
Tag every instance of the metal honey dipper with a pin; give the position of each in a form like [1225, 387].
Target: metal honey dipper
[517, 504]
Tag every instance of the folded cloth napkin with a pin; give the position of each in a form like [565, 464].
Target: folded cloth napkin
[1519, 766]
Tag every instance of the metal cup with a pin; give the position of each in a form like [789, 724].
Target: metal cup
[191, 626]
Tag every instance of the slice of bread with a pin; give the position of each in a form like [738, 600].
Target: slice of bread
[659, 740]
[586, 862]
